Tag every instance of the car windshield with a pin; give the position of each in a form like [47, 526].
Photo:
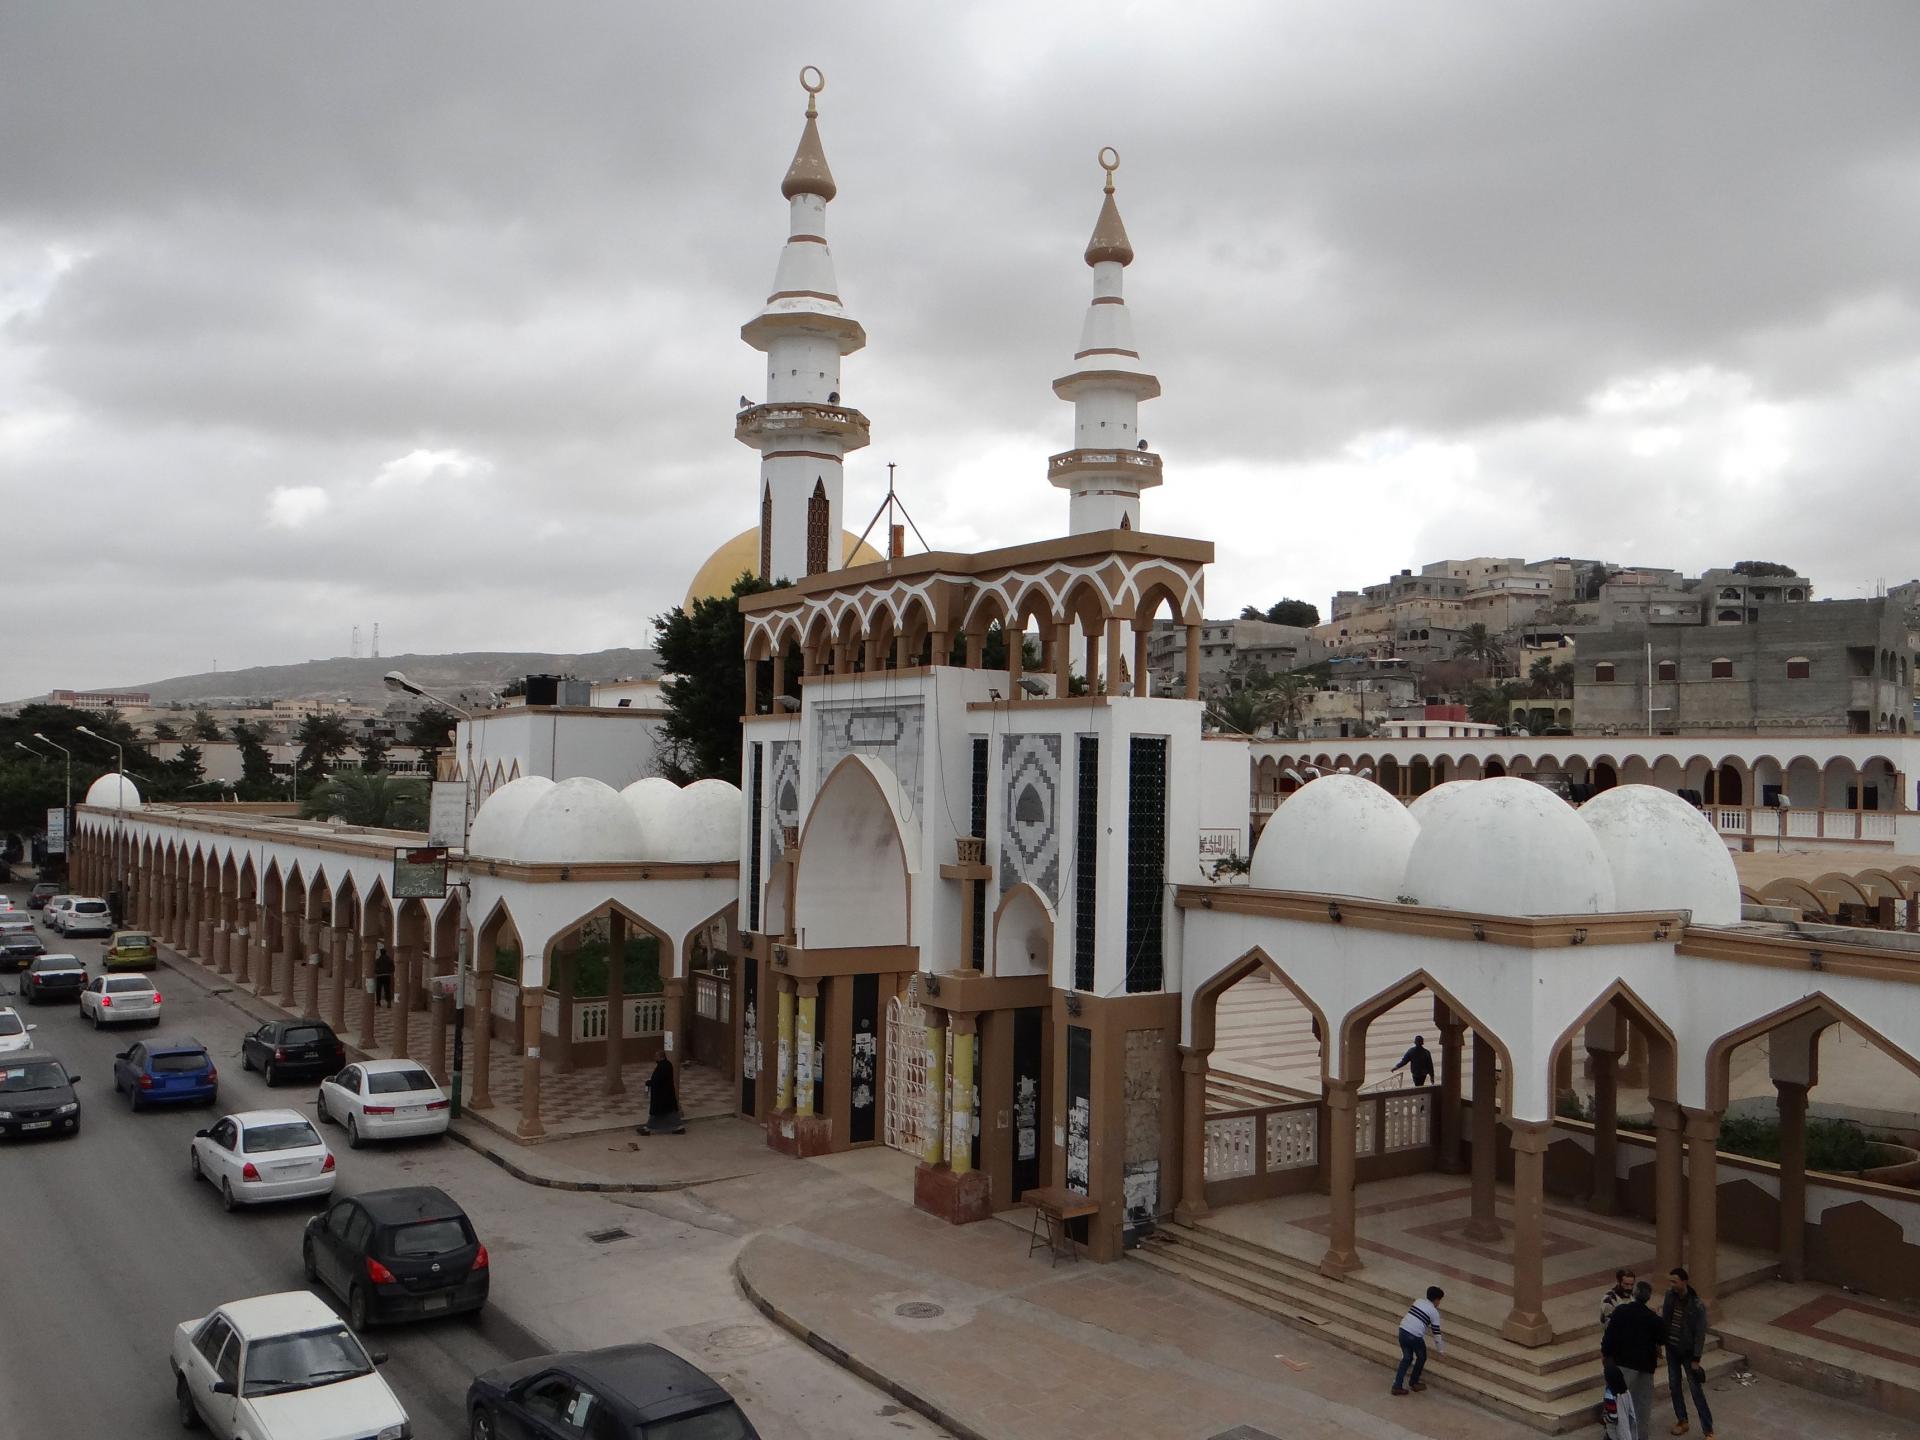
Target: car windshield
[182, 1062]
[722, 1422]
[395, 1082]
[430, 1237]
[127, 985]
[35, 1075]
[284, 1135]
[10, 1024]
[299, 1362]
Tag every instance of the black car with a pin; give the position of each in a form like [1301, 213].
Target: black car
[42, 892]
[293, 1048]
[397, 1254]
[625, 1392]
[53, 977]
[19, 947]
[36, 1095]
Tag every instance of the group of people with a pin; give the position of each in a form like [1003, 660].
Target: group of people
[1633, 1338]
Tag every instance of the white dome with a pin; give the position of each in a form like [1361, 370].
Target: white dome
[1664, 855]
[580, 821]
[495, 831]
[655, 803]
[708, 824]
[1337, 835]
[1508, 847]
[1431, 803]
[114, 791]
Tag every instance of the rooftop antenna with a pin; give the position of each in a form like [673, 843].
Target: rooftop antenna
[375, 652]
[355, 651]
[896, 533]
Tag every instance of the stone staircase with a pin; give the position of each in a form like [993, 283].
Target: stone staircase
[1553, 1388]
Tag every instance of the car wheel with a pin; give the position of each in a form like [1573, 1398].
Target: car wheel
[320, 1105]
[357, 1316]
[246, 1060]
[481, 1426]
[193, 1164]
[353, 1133]
[183, 1400]
[267, 1074]
[306, 1262]
[96, 1019]
[227, 1202]
[133, 1099]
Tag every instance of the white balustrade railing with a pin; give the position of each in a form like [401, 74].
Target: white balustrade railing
[1293, 1138]
[712, 996]
[1406, 1121]
[645, 1015]
[1230, 1147]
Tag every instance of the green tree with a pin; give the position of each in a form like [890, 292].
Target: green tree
[1479, 643]
[369, 798]
[1492, 704]
[1763, 569]
[204, 726]
[257, 780]
[703, 652]
[1239, 710]
[323, 739]
[186, 768]
[432, 731]
[1287, 702]
[1301, 613]
[373, 751]
[164, 730]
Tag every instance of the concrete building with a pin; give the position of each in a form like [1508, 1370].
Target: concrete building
[1230, 651]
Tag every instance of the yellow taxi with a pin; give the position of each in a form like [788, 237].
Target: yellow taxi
[132, 950]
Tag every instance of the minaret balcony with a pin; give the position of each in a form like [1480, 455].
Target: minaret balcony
[1137, 467]
[760, 425]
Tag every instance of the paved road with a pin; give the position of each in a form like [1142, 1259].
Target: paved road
[106, 1243]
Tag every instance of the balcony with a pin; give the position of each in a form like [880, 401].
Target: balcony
[1069, 463]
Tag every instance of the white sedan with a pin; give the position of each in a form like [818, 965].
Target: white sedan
[55, 912]
[384, 1100]
[255, 1156]
[120, 999]
[281, 1367]
[13, 1031]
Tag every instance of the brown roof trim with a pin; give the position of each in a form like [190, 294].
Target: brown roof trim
[802, 455]
[1048, 702]
[1526, 932]
[1106, 350]
[607, 871]
[1798, 952]
[813, 239]
[1108, 300]
[804, 963]
[802, 295]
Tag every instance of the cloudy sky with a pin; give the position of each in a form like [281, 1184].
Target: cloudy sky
[428, 314]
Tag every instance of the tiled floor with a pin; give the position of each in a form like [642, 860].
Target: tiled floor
[1823, 1328]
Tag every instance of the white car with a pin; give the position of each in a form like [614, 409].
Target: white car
[55, 912]
[384, 1100]
[255, 1156]
[281, 1367]
[87, 915]
[13, 1031]
[120, 999]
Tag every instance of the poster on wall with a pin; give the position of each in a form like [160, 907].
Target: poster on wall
[749, 1036]
[1079, 1109]
[56, 831]
[861, 1116]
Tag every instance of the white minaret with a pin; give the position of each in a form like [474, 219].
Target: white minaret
[1109, 464]
[803, 430]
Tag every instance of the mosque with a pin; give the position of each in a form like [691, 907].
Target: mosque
[966, 889]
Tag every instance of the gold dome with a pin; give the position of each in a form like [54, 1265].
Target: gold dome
[741, 556]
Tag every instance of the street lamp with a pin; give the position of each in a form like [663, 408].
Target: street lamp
[397, 680]
[119, 811]
[66, 840]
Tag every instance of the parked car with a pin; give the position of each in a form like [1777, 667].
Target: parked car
[120, 1000]
[384, 1100]
[281, 1367]
[292, 1048]
[18, 942]
[14, 1032]
[55, 912]
[166, 1072]
[255, 1156]
[624, 1390]
[131, 950]
[42, 892]
[88, 915]
[36, 1096]
[397, 1254]
[52, 977]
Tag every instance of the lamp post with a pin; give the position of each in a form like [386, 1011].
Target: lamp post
[66, 839]
[119, 812]
[396, 680]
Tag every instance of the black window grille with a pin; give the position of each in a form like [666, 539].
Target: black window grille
[1086, 861]
[1146, 863]
[753, 842]
[979, 820]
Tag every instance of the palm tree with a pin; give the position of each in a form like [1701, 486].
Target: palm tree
[1287, 700]
[1477, 642]
[370, 798]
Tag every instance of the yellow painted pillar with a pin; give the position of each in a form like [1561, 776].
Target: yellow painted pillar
[960, 1141]
[805, 1006]
[783, 1076]
[933, 1119]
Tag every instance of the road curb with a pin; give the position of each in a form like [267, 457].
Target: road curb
[908, 1397]
[586, 1187]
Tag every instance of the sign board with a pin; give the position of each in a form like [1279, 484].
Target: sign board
[56, 832]
[447, 815]
[420, 874]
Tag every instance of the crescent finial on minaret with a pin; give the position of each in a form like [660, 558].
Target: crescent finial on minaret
[809, 175]
[1109, 240]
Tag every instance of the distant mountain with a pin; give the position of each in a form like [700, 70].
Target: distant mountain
[479, 672]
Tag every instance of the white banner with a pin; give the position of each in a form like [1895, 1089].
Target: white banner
[447, 815]
[56, 832]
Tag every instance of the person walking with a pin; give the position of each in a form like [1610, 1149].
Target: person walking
[1422, 1319]
[1619, 1294]
[1683, 1322]
[1632, 1343]
[382, 976]
[1418, 1061]
[663, 1102]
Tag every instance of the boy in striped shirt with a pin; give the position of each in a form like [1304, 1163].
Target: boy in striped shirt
[1422, 1319]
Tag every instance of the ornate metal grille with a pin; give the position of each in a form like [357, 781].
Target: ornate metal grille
[906, 1073]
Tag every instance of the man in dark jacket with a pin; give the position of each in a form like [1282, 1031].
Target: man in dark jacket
[1632, 1342]
[1418, 1061]
[1683, 1321]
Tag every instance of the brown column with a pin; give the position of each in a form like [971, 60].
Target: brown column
[310, 933]
[1140, 661]
[1452, 1039]
[1090, 663]
[1605, 1196]
[616, 1003]
[339, 948]
[1193, 1135]
[532, 998]
[1342, 1257]
[976, 649]
[1062, 657]
[1703, 1201]
[1483, 1224]
[480, 1040]
[1526, 1322]
[363, 978]
[1793, 1179]
[1016, 660]
[752, 699]
[437, 1038]
[289, 942]
[406, 968]
[1669, 1185]
[780, 671]
[1193, 662]
[1115, 682]
[939, 648]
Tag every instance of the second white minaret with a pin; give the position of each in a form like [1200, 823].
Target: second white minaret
[1109, 464]
[802, 430]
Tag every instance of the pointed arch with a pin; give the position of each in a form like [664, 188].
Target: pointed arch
[1353, 1057]
[1663, 1048]
[1818, 1004]
[1023, 933]
[852, 887]
[1206, 1002]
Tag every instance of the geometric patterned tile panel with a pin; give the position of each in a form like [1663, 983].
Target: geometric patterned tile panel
[892, 731]
[1030, 829]
[784, 791]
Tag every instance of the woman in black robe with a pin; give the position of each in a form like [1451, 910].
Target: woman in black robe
[663, 1102]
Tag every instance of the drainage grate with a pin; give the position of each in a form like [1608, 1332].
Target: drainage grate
[919, 1310]
[607, 1237]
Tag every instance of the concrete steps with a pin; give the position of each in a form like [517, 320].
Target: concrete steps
[1229, 1091]
[1553, 1388]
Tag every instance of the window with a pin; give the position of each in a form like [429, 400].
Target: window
[212, 1336]
[227, 1367]
[1146, 863]
[398, 1082]
[1731, 617]
[1799, 668]
[1603, 674]
[817, 528]
[1086, 861]
[1667, 670]
[1722, 668]
[766, 533]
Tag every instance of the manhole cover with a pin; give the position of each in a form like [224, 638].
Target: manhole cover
[607, 1237]
[919, 1310]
